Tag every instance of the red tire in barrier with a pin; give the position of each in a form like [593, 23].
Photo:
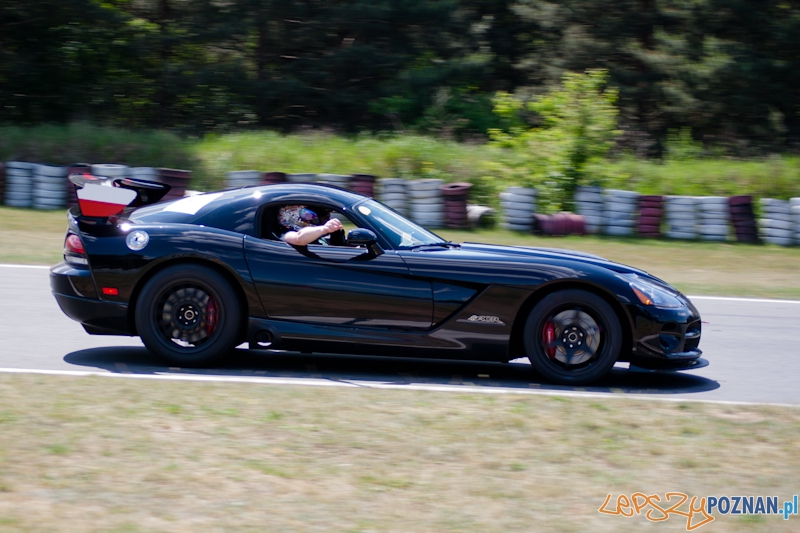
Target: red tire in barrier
[542, 224]
[651, 198]
[561, 224]
[744, 210]
[177, 179]
[651, 212]
[269, 178]
[740, 200]
[651, 228]
[455, 189]
[650, 221]
[743, 220]
[578, 224]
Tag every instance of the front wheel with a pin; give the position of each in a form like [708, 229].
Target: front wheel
[188, 314]
[573, 337]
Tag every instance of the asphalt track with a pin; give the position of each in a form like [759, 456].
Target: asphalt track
[752, 346]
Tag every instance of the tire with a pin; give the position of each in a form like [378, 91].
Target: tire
[190, 288]
[591, 197]
[590, 316]
[524, 192]
[110, 170]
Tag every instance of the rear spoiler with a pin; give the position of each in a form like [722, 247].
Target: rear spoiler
[99, 196]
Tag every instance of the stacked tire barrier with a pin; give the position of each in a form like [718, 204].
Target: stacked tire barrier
[19, 186]
[2, 182]
[795, 206]
[713, 215]
[271, 178]
[72, 189]
[681, 217]
[743, 218]
[363, 184]
[426, 206]
[392, 192]
[651, 210]
[560, 224]
[49, 187]
[110, 170]
[777, 224]
[237, 179]
[518, 205]
[144, 173]
[301, 178]
[589, 204]
[455, 197]
[177, 179]
[339, 180]
[620, 211]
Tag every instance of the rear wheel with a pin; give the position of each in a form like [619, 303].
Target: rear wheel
[573, 337]
[188, 314]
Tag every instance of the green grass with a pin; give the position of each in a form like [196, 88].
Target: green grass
[773, 177]
[85, 143]
[101, 454]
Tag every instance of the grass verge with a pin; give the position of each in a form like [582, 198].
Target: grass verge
[94, 454]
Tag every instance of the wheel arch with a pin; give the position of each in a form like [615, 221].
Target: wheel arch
[229, 276]
[517, 348]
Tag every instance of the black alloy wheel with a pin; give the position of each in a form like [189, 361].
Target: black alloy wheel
[189, 315]
[573, 337]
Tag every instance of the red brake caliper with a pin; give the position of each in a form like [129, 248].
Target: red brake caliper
[549, 336]
[211, 316]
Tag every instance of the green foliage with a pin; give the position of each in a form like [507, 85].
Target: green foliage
[405, 156]
[577, 125]
[86, 143]
[680, 146]
[771, 177]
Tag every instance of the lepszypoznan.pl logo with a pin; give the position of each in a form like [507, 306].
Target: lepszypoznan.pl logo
[699, 511]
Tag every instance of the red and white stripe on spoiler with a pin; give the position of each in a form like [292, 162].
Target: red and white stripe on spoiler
[97, 200]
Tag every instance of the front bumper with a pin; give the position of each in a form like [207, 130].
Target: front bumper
[73, 289]
[667, 339]
[691, 364]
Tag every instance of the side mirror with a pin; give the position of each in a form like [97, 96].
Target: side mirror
[361, 237]
[366, 238]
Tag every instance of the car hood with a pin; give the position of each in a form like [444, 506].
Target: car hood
[532, 252]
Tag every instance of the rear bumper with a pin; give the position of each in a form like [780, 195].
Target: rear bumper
[70, 286]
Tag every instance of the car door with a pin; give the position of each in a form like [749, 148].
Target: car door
[338, 285]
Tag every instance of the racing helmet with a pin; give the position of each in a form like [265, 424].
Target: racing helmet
[297, 217]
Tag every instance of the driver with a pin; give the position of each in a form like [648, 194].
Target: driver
[302, 226]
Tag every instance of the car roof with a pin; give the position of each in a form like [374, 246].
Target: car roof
[235, 209]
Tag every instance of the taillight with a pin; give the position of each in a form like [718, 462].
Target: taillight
[74, 251]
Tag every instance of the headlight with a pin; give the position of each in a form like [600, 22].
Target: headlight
[651, 294]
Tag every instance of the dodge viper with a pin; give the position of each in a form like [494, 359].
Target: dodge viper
[198, 276]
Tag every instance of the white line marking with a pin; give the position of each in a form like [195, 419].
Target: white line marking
[753, 300]
[372, 385]
[22, 266]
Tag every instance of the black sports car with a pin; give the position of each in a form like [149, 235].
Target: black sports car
[197, 276]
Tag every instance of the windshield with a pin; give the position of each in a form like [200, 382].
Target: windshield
[401, 233]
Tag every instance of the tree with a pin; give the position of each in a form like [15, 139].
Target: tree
[575, 125]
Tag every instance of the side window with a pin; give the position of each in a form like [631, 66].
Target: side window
[347, 224]
[271, 228]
